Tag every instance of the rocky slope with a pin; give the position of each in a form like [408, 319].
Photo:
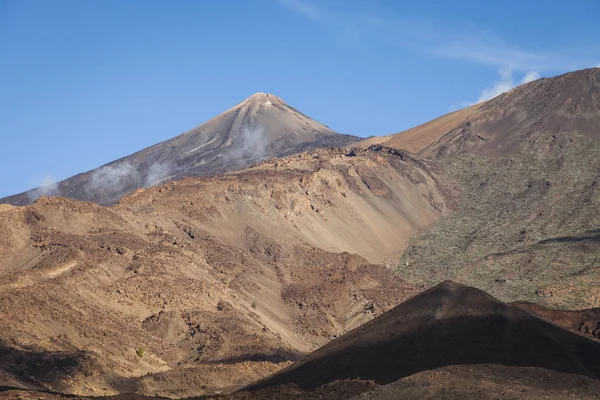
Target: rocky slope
[419, 137]
[527, 165]
[260, 127]
[203, 285]
[450, 341]
[449, 324]
[511, 122]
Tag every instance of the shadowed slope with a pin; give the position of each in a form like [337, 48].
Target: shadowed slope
[585, 322]
[449, 324]
[487, 382]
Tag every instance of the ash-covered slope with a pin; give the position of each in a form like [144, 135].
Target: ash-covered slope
[260, 127]
[450, 324]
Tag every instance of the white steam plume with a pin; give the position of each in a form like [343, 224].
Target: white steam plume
[113, 179]
[157, 173]
[530, 77]
[252, 146]
[49, 187]
[254, 143]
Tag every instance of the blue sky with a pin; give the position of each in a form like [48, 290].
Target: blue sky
[85, 82]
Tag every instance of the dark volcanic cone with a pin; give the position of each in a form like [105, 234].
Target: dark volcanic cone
[450, 324]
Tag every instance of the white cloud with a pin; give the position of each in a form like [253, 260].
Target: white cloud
[530, 77]
[504, 84]
[481, 47]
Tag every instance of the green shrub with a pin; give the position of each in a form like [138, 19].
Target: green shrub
[140, 352]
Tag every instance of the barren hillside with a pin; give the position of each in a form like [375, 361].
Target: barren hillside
[510, 122]
[213, 282]
[449, 331]
[527, 164]
[203, 285]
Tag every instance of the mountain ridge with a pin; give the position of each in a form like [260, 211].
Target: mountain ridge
[259, 127]
[567, 102]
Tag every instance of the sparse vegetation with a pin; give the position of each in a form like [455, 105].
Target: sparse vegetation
[253, 304]
[140, 352]
[520, 231]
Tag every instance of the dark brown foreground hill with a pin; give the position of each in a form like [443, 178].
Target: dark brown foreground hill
[452, 342]
[450, 324]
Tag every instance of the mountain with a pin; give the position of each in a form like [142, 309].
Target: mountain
[201, 285]
[526, 164]
[510, 122]
[419, 137]
[207, 284]
[449, 325]
[260, 127]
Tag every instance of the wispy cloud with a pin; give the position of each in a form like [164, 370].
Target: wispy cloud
[490, 51]
[431, 37]
[505, 83]
[309, 10]
[530, 77]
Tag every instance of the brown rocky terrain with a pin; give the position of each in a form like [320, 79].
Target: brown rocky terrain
[260, 127]
[447, 325]
[419, 137]
[206, 284]
[203, 285]
[585, 322]
[511, 122]
[527, 166]
[450, 342]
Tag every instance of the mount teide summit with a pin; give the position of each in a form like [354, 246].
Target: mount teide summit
[260, 127]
